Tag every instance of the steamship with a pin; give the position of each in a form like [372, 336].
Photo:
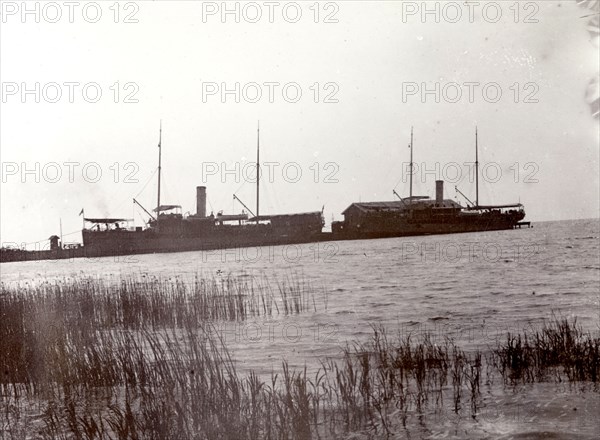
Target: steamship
[169, 231]
[420, 215]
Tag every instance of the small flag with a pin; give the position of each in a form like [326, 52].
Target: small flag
[81, 213]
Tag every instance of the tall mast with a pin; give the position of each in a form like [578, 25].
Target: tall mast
[476, 170]
[159, 169]
[411, 165]
[258, 172]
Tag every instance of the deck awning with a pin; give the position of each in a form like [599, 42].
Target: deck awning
[230, 217]
[107, 220]
[396, 205]
[162, 208]
[284, 216]
[416, 198]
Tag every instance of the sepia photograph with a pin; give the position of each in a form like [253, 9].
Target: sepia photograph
[299, 219]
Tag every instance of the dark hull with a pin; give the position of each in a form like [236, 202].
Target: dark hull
[131, 243]
[408, 229]
[11, 255]
[117, 243]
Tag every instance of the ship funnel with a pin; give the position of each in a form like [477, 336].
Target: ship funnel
[439, 192]
[201, 201]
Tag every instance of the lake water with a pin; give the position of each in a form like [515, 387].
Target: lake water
[473, 287]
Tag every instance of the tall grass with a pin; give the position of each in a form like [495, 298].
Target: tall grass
[87, 364]
[150, 302]
[560, 350]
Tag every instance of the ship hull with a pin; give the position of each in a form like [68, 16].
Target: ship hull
[395, 226]
[98, 244]
[421, 229]
[126, 242]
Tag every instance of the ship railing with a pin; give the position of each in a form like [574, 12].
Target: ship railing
[107, 224]
[503, 208]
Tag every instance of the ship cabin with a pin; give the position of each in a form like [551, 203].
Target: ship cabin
[104, 224]
[103, 228]
[362, 213]
[166, 212]
[384, 216]
[55, 243]
[310, 222]
[168, 219]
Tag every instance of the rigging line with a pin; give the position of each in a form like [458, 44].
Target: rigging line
[402, 176]
[242, 185]
[127, 199]
[398, 182]
[72, 233]
[167, 192]
[123, 201]
[244, 181]
[210, 204]
[47, 239]
[237, 191]
[146, 184]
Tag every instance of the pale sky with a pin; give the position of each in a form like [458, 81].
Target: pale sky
[374, 61]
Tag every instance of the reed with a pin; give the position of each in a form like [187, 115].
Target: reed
[102, 369]
[136, 302]
[560, 349]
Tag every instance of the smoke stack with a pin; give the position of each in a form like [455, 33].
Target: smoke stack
[439, 192]
[201, 201]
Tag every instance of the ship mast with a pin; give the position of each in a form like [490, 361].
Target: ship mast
[411, 165]
[476, 171]
[243, 204]
[257, 172]
[159, 169]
